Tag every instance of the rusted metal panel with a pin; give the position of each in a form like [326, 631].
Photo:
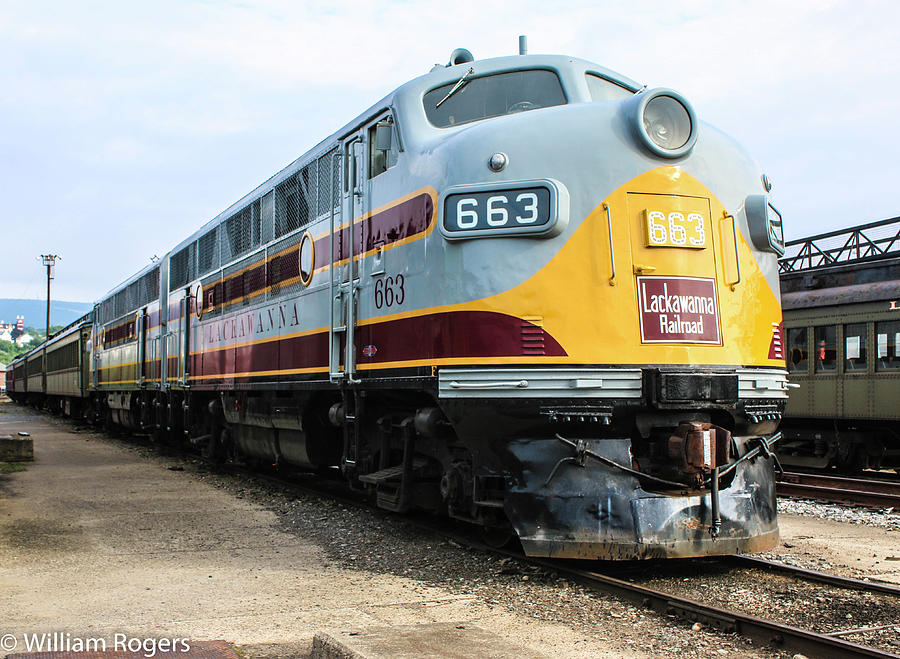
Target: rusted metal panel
[597, 512]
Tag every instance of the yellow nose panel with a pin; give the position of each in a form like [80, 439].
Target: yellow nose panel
[671, 233]
[672, 299]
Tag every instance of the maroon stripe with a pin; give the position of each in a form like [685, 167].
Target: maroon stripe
[434, 336]
[450, 335]
[399, 222]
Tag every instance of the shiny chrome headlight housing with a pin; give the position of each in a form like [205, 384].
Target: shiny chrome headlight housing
[665, 122]
[764, 221]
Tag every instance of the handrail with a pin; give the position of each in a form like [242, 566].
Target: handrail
[333, 367]
[612, 253]
[737, 258]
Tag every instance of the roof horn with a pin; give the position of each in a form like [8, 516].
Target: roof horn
[460, 56]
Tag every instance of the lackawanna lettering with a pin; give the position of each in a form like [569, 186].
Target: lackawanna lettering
[253, 322]
[678, 310]
[666, 303]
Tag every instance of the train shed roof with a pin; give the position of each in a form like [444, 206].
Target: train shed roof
[863, 243]
[854, 265]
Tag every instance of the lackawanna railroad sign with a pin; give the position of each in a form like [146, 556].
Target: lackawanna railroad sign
[678, 310]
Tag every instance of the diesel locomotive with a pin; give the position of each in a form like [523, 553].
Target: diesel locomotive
[526, 292]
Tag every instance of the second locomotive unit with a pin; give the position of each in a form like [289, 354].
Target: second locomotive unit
[526, 292]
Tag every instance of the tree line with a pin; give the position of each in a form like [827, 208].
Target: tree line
[9, 350]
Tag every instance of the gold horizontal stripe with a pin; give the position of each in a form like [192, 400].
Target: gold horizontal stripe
[289, 371]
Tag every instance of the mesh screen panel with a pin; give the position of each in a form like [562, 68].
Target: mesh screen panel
[182, 268]
[107, 309]
[328, 183]
[207, 251]
[255, 224]
[236, 235]
[287, 207]
[283, 267]
[120, 303]
[307, 179]
[267, 217]
[153, 285]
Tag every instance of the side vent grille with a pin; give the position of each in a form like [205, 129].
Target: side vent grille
[533, 335]
[776, 347]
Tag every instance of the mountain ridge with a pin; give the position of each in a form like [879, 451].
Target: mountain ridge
[62, 312]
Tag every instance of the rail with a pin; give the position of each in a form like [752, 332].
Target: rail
[768, 633]
[837, 489]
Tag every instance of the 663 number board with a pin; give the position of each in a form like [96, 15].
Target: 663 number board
[497, 212]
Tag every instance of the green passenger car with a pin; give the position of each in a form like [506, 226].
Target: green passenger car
[841, 300]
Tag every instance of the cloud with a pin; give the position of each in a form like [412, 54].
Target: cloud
[126, 125]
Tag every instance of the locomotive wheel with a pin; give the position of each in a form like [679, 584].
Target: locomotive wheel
[216, 449]
[497, 536]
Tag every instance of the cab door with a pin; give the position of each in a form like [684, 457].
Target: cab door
[141, 322]
[347, 238]
[186, 309]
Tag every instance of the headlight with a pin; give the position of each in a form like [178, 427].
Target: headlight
[665, 122]
[764, 221]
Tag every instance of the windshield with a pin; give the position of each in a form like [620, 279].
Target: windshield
[493, 96]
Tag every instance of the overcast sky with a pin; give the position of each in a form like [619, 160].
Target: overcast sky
[124, 126]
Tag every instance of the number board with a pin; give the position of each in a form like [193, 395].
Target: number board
[675, 229]
[520, 210]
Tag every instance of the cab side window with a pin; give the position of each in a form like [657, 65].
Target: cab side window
[383, 146]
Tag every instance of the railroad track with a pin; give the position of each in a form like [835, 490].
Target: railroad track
[766, 633]
[838, 489]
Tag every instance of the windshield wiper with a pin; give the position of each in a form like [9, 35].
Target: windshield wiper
[459, 83]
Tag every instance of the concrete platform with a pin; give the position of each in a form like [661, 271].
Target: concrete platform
[16, 449]
[435, 641]
[98, 538]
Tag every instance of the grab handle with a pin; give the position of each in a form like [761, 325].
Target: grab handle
[737, 258]
[515, 384]
[612, 254]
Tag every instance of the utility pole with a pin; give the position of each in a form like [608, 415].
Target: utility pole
[49, 260]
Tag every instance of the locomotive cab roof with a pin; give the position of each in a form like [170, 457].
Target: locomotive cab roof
[409, 99]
